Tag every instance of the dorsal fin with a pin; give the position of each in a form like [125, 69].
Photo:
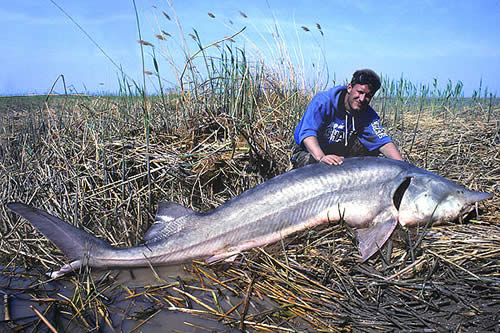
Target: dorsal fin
[166, 213]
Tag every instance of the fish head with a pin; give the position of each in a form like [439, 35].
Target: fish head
[430, 197]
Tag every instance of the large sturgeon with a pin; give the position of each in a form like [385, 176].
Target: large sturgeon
[370, 194]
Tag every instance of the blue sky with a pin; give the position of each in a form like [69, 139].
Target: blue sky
[421, 40]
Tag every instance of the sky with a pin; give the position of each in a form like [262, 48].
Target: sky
[421, 41]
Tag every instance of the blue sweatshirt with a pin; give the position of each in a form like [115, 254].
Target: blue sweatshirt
[333, 126]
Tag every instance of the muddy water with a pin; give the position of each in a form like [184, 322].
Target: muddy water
[170, 299]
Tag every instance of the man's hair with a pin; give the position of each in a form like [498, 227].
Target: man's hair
[366, 76]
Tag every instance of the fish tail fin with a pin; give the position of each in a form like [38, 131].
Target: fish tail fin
[73, 242]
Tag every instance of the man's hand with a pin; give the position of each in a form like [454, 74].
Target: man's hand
[332, 159]
[312, 145]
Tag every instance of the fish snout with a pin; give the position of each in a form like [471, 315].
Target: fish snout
[474, 196]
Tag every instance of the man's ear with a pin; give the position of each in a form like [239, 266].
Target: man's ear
[349, 88]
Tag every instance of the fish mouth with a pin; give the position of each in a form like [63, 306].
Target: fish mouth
[465, 213]
[473, 199]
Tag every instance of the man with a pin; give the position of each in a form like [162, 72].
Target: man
[339, 123]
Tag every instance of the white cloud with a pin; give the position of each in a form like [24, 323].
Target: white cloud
[9, 17]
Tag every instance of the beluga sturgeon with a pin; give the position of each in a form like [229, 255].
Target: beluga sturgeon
[370, 194]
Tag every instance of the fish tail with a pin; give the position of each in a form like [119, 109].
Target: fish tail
[73, 242]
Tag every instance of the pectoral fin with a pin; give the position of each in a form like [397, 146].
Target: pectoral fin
[371, 239]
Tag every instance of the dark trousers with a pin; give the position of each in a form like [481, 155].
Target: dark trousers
[301, 157]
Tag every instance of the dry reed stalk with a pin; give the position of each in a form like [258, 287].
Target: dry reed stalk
[44, 320]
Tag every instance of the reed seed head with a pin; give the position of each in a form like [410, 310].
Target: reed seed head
[143, 42]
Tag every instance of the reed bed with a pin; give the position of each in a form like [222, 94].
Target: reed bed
[83, 159]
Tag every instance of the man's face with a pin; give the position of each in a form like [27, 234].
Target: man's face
[358, 97]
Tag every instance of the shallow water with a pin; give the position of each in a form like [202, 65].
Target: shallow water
[170, 299]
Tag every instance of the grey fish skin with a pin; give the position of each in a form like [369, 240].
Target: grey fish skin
[370, 194]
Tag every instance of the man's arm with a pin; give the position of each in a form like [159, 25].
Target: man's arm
[312, 146]
[391, 151]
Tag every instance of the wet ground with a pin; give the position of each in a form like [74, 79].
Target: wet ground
[170, 299]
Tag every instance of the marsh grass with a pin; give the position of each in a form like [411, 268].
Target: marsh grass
[83, 159]
[103, 163]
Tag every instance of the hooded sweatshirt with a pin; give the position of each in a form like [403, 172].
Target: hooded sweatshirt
[326, 119]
